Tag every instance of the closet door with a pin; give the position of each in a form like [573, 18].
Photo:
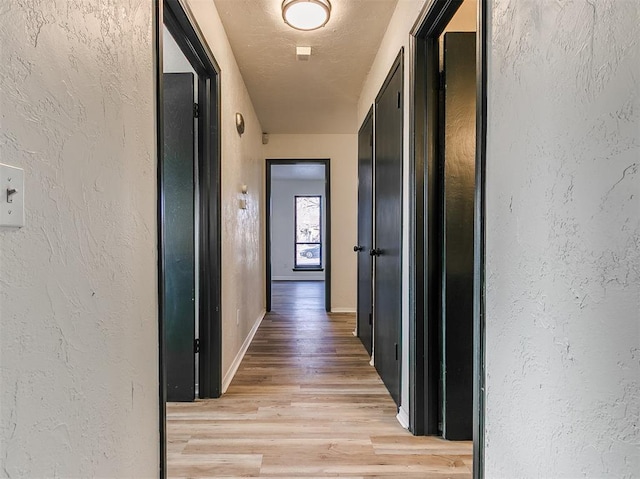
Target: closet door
[387, 313]
[365, 233]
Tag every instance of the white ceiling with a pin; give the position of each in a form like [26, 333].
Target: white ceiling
[315, 96]
[297, 172]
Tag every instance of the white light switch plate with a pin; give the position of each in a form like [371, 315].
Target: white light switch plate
[11, 205]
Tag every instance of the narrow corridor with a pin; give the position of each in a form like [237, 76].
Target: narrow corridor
[305, 402]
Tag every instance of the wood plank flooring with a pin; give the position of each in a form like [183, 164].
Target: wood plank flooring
[304, 403]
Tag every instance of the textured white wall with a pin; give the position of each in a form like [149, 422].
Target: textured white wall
[283, 192]
[243, 276]
[563, 239]
[78, 284]
[396, 37]
[342, 150]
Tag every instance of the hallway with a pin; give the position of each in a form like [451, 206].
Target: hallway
[305, 402]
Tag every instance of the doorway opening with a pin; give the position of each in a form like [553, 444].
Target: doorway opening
[448, 119]
[298, 229]
[188, 145]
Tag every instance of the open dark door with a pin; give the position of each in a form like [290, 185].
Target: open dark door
[178, 249]
[458, 187]
[388, 230]
[365, 232]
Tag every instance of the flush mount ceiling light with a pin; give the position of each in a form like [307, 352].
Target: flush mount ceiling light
[306, 15]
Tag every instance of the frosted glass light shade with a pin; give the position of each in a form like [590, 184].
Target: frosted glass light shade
[306, 14]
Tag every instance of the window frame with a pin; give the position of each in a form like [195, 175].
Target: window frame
[296, 265]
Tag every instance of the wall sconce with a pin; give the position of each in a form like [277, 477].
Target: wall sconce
[240, 123]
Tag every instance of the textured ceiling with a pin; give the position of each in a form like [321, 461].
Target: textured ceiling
[315, 96]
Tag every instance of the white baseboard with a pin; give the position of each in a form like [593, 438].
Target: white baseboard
[403, 418]
[302, 277]
[343, 310]
[228, 377]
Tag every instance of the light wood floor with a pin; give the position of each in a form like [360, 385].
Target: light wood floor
[304, 403]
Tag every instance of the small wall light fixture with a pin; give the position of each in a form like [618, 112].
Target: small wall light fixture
[306, 15]
[240, 123]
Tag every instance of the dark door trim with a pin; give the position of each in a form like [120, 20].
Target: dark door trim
[158, 26]
[424, 362]
[326, 251]
[177, 17]
[423, 318]
[479, 250]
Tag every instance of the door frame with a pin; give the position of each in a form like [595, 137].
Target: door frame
[423, 316]
[179, 19]
[327, 230]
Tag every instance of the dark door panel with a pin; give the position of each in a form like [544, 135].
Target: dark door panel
[458, 186]
[388, 230]
[178, 249]
[365, 232]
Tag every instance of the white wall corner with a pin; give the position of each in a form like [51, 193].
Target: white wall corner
[233, 369]
[403, 417]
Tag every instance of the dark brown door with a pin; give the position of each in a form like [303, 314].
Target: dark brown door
[178, 226]
[457, 188]
[365, 232]
[388, 230]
